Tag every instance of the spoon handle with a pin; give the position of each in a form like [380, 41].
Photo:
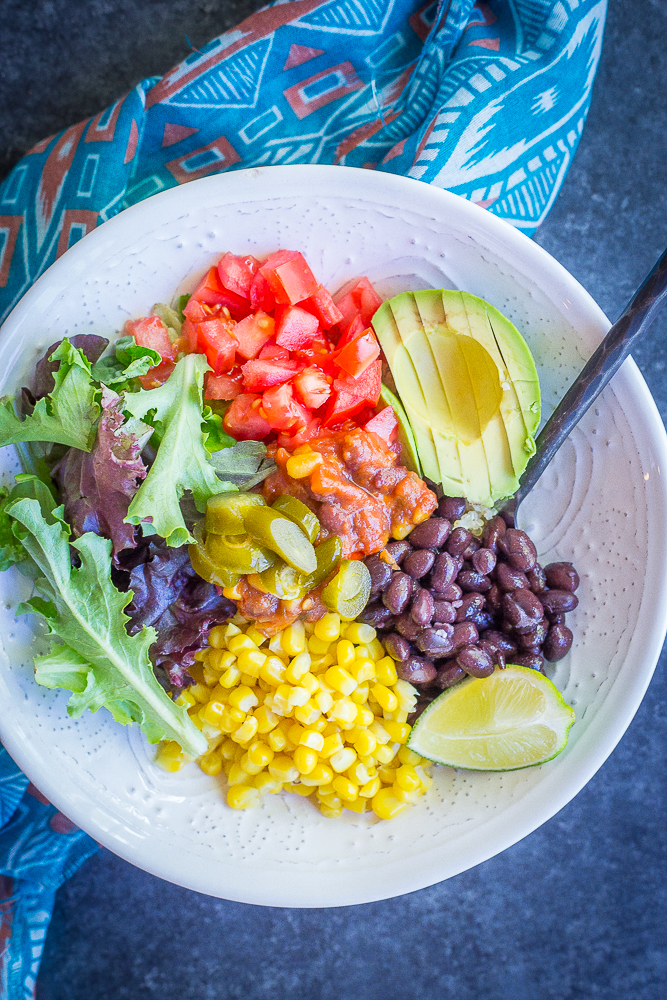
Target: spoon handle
[598, 370]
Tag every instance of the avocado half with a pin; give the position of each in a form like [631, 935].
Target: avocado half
[469, 386]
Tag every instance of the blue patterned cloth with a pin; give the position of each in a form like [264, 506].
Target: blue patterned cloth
[486, 99]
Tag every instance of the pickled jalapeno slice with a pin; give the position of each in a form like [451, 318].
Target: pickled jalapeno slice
[297, 511]
[348, 592]
[225, 512]
[238, 553]
[328, 556]
[283, 581]
[204, 566]
[282, 536]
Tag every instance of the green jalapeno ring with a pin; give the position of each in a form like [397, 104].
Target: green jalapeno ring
[225, 512]
[282, 536]
[295, 510]
[205, 567]
[348, 592]
[238, 553]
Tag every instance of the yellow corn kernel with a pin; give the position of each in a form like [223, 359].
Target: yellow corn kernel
[246, 730]
[344, 711]
[342, 759]
[279, 703]
[250, 661]
[266, 783]
[200, 693]
[345, 789]
[201, 655]
[330, 811]
[186, 699]
[385, 805]
[358, 773]
[407, 756]
[340, 680]
[297, 789]
[294, 732]
[230, 751]
[384, 754]
[221, 659]
[362, 669]
[257, 637]
[231, 676]
[266, 719]
[312, 739]
[170, 757]
[371, 787]
[237, 774]
[211, 676]
[277, 740]
[425, 779]
[398, 731]
[300, 466]
[238, 642]
[358, 632]
[297, 697]
[310, 683]
[318, 647]
[276, 645]
[364, 716]
[320, 663]
[323, 700]
[248, 766]
[243, 698]
[319, 777]
[331, 745]
[360, 695]
[345, 653]
[194, 717]
[385, 671]
[379, 732]
[273, 671]
[283, 768]
[212, 713]
[404, 796]
[308, 714]
[293, 638]
[299, 666]
[376, 649]
[230, 630]
[328, 627]
[217, 637]
[359, 805]
[305, 759]
[242, 796]
[407, 778]
[259, 754]
[386, 698]
[386, 773]
[231, 719]
[364, 743]
[302, 449]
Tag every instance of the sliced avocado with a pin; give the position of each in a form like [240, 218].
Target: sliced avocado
[469, 386]
[406, 437]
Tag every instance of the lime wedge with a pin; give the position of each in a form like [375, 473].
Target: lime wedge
[514, 718]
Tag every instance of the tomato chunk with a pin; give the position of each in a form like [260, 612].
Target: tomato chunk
[289, 276]
[211, 291]
[312, 387]
[322, 305]
[151, 332]
[384, 424]
[260, 375]
[357, 355]
[215, 340]
[361, 300]
[253, 332]
[282, 410]
[295, 328]
[261, 296]
[194, 311]
[290, 441]
[235, 275]
[243, 419]
[272, 351]
[223, 386]
[350, 395]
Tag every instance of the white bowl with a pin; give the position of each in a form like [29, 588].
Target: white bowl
[601, 504]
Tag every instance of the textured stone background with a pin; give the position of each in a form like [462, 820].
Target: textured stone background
[576, 910]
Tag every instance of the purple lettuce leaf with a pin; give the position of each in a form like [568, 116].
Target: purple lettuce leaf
[43, 383]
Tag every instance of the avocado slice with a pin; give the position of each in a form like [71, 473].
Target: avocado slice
[406, 437]
[469, 386]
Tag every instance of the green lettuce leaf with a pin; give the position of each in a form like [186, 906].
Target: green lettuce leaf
[67, 415]
[98, 661]
[182, 461]
[244, 464]
[11, 550]
[129, 361]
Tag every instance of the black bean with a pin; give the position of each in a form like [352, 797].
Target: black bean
[471, 604]
[500, 641]
[436, 642]
[422, 608]
[475, 661]
[556, 618]
[493, 531]
[519, 549]
[533, 640]
[494, 599]
[482, 620]
[469, 580]
[399, 550]
[532, 660]
[444, 572]
[417, 670]
[509, 579]
[452, 508]
[396, 646]
[449, 675]
[557, 643]
[537, 580]
[398, 593]
[376, 615]
[558, 602]
[443, 613]
[380, 573]
[562, 576]
[471, 548]
[452, 593]
[464, 634]
[418, 563]
[431, 534]
[484, 560]
[497, 655]
[458, 541]
[522, 610]
[408, 627]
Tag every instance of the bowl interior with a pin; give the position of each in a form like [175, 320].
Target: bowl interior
[597, 505]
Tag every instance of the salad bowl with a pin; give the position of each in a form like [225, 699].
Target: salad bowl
[602, 504]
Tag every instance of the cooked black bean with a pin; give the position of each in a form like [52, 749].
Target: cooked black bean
[532, 660]
[471, 548]
[475, 661]
[482, 620]
[469, 580]
[537, 580]
[417, 670]
[558, 602]
[561, 576]
[469, 606]
[443, 613]
[493, 530]
[452, 593]
[444, 572]
[398, 593]
[376, 615]
[522, 610]
[397, 647]
[408, 627]
[557, 643]
[449, 675]
[556, 618]
[464, 634]
[484, 560]
[422, 608]
[509, 579]
[497, 655]
[452, 508]
[494, 599]
[399, 550]
[380, 573]
[519, 549]
[500, 640]
[458, 541]
[418, 563]
[431, 534]
[532, 640]
[436, 642]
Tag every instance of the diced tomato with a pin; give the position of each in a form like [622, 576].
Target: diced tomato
[359, 353]
[157, 375]
[215, 340]
[350, 395]
[151, 332]
[323, 306]
[272, 351]
[251, 263]
[384, 424]
[261, 296]
[295, 328]
[243, 419]
[289, 276]
[211, 291]
[291, 441]
[362, 300]
[260, 375]
[354, 329]
[194, 311]
[189, 333]
[235, 275]
[253, 332]
[312, 387]
[282, 410]
[223, 386]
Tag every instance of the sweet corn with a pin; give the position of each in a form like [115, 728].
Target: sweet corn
[362, 670]
[342, 759]
[345, 653]
[259, 754]
[293, 639]
[239, 642]
[398, 731]
[243, 796]
[385, 804]
[308, 714]
[298, 667]
[328, 627]
[345, 789]
[246, 730]
[305, 759]
[300, 466]
[185, 699]
[385, 671]
[317, 646]
[359, 633]
[266, 719]
[250, 661]
[258, 637]
[170, 757]
[277, 740]
[340, 680]
[231, 677]
[312, 739]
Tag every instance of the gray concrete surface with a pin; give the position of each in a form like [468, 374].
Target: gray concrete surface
[576, 910]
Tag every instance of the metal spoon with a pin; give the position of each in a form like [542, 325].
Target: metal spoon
[598, 370]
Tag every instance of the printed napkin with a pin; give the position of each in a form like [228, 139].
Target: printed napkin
[485, 99]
